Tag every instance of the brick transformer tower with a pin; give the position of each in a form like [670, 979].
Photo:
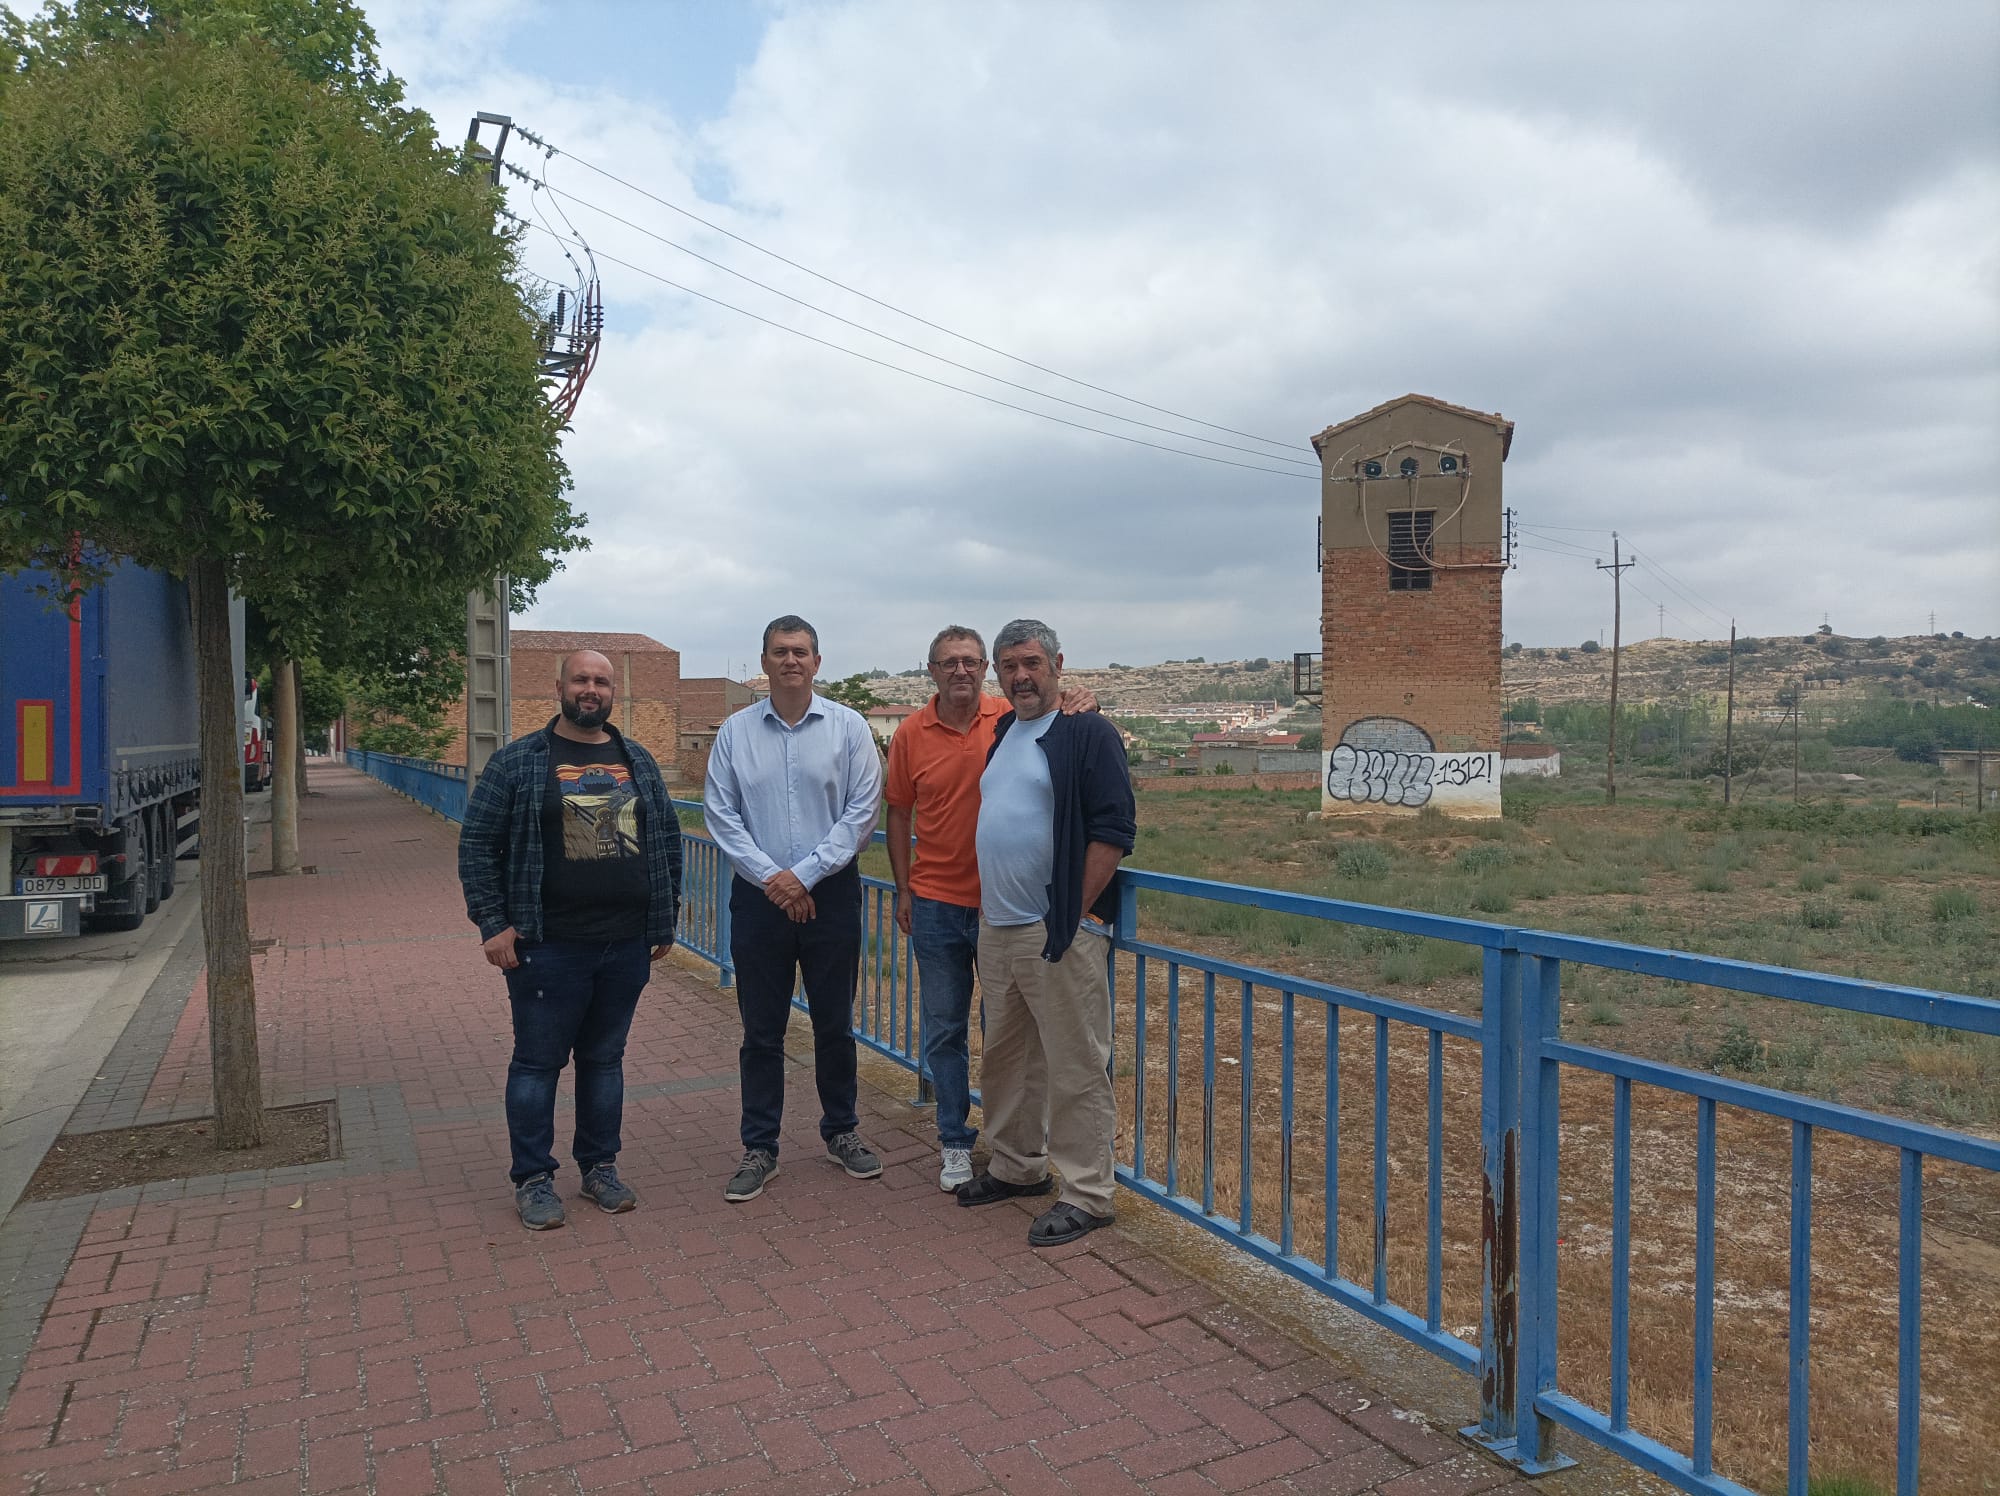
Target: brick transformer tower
[1412, 550]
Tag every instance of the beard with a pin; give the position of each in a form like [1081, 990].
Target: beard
[589, 720]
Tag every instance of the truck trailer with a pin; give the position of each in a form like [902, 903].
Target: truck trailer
[100, 759]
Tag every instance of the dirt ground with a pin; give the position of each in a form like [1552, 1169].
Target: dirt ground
[1854, 1284]
[83, 1163]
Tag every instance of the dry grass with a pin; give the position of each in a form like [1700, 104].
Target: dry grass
[1855, 1223]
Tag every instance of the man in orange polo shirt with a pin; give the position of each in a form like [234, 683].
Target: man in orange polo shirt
[935, 760]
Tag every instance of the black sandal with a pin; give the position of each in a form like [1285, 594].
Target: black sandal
[985, 1187]
[1064, 1223]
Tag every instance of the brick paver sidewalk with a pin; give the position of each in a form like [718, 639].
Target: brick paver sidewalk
[384, 1323]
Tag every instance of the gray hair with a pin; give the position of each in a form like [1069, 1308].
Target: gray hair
[791, 623]
[1027, 631]
[953, 631]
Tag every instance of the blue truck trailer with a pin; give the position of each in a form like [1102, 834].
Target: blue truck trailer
[100, 761]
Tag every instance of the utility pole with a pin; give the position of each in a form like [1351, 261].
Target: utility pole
[1729, 720]
[1799, 713]
[1661, 632]
[1617, 569]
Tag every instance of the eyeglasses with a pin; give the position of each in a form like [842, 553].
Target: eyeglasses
[959, 662]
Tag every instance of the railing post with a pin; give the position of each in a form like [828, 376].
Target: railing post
[725, 964]
[1499, 1145]
[1541, 1120]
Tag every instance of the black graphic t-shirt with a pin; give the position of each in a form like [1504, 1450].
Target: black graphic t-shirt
[594, 865]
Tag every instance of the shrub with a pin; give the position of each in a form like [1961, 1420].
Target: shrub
[1590, 646]
[1483, 859]
[1362, 862]
[1818, 914]
[1868, 891]
[1953, 903]
[1738, 1049]
[1712, 879]
[1492, 897]
[1813, 879]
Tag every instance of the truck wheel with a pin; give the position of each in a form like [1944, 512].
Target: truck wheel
[137, 890]
[163, 850]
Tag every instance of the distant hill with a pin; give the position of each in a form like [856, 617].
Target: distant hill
[1834, 668]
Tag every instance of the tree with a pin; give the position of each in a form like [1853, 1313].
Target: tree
[853, 691]
[258, 333]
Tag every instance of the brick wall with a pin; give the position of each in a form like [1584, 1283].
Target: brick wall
[648, 694]
[1430, 658]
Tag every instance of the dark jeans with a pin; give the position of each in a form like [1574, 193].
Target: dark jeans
[570, 998]
[771, 953]
[945, 938]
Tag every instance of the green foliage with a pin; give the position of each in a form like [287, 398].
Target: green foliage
[1361, 861]
[1915, 729]
[1821, 914]
[1590, 646]
[1312, 740]
[287, 339]
[1948, 904]
[1492, 897]
[1738, 1049]
[852, 691]
[1527, 709]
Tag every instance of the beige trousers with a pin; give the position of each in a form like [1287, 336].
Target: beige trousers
[1043, 1085]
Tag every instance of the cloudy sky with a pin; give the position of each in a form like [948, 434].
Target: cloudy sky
[1731, 269]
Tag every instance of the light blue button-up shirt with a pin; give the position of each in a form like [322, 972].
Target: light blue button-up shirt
[799, 798]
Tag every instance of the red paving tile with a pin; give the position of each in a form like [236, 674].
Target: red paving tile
[398, 1332]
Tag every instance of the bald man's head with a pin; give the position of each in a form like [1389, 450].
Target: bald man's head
[584, 688]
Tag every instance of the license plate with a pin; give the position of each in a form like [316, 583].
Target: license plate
[93, 883]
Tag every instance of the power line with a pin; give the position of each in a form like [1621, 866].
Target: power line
[1138, 441]
[1111, 415]
[891, 306]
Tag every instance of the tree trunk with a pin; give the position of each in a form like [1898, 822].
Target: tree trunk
[285, 769]
[301, 734]
[225, 911]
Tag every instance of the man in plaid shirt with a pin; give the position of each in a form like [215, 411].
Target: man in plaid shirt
[570, 858]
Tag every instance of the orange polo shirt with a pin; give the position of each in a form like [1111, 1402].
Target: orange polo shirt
[936, 770]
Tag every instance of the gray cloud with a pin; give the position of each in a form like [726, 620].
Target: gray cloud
[1732, 269]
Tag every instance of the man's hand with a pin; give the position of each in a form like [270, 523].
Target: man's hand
[1076, 699]
[903, 910]
[784, 889]
[500, 949]
[803, 912]
[660, 952]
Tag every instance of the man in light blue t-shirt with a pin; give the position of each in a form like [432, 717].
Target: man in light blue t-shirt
[1055, 817]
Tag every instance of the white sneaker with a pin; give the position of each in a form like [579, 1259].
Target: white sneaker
[957, 1169]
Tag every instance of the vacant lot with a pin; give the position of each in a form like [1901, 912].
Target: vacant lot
[1901, 897]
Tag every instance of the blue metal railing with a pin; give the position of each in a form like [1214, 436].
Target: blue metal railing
[435, 786]
[1521, 1061]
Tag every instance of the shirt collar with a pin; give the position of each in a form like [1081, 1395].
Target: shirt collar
[990, 707]
[816, 709]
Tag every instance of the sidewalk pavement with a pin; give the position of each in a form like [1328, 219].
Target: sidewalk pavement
[382, 1322]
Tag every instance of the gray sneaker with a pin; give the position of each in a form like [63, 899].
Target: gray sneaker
[747, 1183]
[853, 1155]
[535, 1198]
[612, 1194]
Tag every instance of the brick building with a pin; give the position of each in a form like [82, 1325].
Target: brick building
[647, 674]
[705, 701]
[1411, 558]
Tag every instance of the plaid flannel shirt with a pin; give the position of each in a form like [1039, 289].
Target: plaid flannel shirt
[500, 859]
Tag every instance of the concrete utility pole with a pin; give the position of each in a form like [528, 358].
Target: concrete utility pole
[1729, 720]
[1617, 569]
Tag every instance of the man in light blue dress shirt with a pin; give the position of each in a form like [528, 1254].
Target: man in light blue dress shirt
[793, 787]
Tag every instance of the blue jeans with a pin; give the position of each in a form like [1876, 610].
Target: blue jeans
[570, 998]
[945, 938]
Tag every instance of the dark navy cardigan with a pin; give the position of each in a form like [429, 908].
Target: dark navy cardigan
[1093, 793]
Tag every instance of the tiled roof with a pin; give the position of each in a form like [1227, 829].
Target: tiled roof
[564, 640]
[1499, 422]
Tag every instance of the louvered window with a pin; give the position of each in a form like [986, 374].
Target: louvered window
[1409, 549]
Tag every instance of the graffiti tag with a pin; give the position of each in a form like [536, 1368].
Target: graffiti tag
[1380, 776]
[1377, 776]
